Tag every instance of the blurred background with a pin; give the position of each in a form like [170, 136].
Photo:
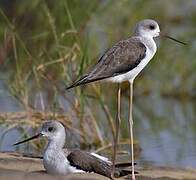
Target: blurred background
[46, 45]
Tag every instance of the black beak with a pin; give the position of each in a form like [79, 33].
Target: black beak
[29, 139]
[171, 38]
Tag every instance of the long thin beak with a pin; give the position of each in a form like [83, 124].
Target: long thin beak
[29, 139]
[171, 38]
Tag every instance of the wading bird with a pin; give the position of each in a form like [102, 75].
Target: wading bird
[123, 62]
[61, 161]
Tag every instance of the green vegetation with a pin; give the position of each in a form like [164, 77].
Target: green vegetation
[45, 45]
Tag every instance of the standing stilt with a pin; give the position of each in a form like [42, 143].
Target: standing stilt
[118, 120]
[123, 62]
[131, 128]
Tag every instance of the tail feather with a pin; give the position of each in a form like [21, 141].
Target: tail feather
[78, 82]
[123, 165]
[121, 171]
[124, 172]
[85, 80]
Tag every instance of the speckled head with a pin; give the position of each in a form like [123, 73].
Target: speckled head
[147, 27]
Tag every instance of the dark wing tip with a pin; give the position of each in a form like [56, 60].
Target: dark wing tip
[69, 87]
[81, 81]
[123, 165]
[123, 172]
[14, 144]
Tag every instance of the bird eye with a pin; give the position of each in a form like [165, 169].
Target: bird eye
[50, 129]
[152, 27]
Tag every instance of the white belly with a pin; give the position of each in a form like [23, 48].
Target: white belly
[131, 75]
[57, 163]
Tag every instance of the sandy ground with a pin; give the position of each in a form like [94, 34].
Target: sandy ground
[17, 167]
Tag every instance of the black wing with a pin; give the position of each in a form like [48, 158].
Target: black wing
[87, 162]
[121, 58]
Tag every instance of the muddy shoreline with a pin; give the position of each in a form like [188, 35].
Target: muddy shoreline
[16, 166]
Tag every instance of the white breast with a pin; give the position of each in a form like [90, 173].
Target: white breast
[131, 75]
[55, 162]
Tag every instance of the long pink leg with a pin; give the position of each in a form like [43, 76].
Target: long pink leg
[118, 120]
[131, 128]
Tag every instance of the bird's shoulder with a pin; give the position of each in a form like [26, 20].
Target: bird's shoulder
[131, 48]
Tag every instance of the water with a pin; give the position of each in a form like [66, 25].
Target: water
[164, 127]
[166, 130]
[7, 104]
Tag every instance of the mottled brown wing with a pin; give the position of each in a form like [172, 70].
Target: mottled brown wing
[85, 161]
[121, 58]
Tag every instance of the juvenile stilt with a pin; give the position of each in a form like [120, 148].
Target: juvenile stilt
[118, 121]
[123, 62]
[63, 161]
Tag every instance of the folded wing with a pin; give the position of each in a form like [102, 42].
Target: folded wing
[121, 58]
[89, 163]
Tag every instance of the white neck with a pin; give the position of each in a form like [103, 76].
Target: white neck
[56, 142]
[149, 43]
